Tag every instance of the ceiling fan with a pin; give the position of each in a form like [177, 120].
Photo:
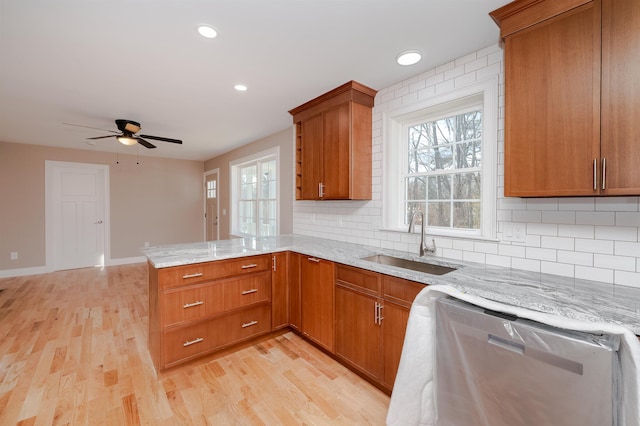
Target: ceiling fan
[127, 134]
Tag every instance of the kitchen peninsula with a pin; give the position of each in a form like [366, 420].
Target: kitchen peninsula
[254, 263]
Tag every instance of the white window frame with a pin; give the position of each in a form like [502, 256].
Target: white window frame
[395, 150]
[234, 171]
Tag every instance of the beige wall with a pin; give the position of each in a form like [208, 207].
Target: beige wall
[159, 201]
[284, 140]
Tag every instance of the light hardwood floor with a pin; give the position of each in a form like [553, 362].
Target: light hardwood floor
[73, 350]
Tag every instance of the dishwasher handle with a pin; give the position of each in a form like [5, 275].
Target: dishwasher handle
[505, 344]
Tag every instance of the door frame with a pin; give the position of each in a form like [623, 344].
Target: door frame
[204, 189]
[50, 244]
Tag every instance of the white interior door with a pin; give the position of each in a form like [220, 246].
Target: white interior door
[211, 205]
[76, 213]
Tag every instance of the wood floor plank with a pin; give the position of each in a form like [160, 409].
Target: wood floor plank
[78, 356]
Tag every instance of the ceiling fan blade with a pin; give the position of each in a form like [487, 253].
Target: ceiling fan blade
[158, 138]
[88, 127]
[104, 137]
[145, 143]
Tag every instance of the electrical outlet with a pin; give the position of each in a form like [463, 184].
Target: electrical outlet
[520, 232]
[14, 255]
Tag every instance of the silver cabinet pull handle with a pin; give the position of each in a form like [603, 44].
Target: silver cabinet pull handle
[253, 290]
[193, 342]
[604, 173]
[98, 222]
[313, 259]
[252, 265]
[197, 274]
[375, 313]
[191, 305]
[321, 190]
[273, 264]
[595, 174]
[380, 317]
[249, 324]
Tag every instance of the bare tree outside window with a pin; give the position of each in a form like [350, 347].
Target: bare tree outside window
[443, 176]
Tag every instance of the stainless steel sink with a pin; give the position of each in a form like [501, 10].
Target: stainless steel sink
[429, 268]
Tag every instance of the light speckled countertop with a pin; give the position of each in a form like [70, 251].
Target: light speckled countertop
[567, 297]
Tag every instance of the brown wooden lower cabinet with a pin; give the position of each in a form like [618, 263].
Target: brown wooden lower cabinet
[372, 311]
[317, 281]
[358, 315]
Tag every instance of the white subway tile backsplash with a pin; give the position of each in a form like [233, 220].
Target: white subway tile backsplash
[595, 218]
[607, 261]
[594, 246]
[541, 254]
[594, 274]
[554, 268]
[627, 219]
[542, 229]
[576, 231]
[624, 248]
[564, 217]
[595, 238]
[631, 279]
[619, 233]
[526, 264]
[617, 204]
[562, 243]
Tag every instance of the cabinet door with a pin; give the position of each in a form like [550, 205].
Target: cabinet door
[357, 331]
[295, 300]
[621, 96]
[279, 290]
[394, 327]
[552, 105]
[312, 157]
[317, 282]
[337, 149]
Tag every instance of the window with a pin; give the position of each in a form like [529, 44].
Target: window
[441, 158]
[255, 196]
[211, 189]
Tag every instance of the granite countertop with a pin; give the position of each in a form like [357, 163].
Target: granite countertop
[568, 297]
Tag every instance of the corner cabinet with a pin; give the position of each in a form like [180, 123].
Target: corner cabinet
[333, 144]
[571, 103]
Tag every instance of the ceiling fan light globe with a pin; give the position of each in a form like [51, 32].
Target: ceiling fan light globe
[125, 140]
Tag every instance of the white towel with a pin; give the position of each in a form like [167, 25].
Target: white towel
[412, 400]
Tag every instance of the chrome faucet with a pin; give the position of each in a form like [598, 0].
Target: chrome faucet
[423, 247]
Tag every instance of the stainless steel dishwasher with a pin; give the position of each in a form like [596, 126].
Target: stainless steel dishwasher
[495, 369]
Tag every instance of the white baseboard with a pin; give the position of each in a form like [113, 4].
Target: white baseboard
[9, 273]
[126, 260]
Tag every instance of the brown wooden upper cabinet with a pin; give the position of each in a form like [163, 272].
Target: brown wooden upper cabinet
[333, 144]
[572, 97]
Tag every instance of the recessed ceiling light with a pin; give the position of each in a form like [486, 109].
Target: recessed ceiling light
[207, 31]
[409, 57]
[240, 87]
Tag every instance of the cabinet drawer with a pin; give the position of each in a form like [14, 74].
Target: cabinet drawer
[191, 303]
[401, 290]
[178, 276]
[247, 290]
[246, 323]
[191, 341]
[360, 278]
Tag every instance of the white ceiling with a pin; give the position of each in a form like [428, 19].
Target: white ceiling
[89, 62]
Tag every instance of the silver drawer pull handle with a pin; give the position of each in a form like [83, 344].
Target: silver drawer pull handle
[253, 265]
[253, 290]
[197, 274]
[193, 342]
[249, 324]
[191, 305]
[313, 259]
